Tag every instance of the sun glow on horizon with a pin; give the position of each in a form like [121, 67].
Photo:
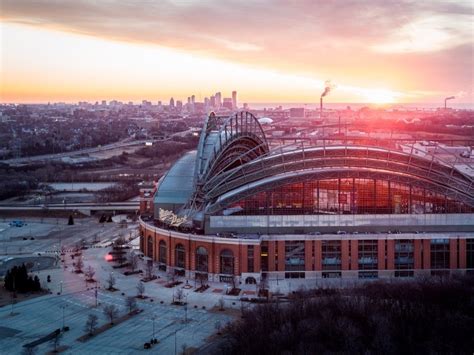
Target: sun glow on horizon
[46, 65]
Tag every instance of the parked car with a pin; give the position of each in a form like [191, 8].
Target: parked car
[17, 223]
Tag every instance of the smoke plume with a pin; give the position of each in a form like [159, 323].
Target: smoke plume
[327, 88]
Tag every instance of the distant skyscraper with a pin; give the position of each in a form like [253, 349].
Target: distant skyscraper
[228, 103]
[171, 103]
[218, 99]
[234, 100]
[179, 106]
[193, 99]
[212, 101]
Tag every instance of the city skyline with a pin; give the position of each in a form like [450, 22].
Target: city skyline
[394, 52]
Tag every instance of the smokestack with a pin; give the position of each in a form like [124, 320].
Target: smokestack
[446, 99]
[327, 90]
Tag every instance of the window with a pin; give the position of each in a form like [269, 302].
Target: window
[201, 259]
[470, 253]
[264, 256]
[364, 195]
[331, 254]
[149, 249]
[250, 258]
[439, 254]
[404, 259]
[180, 256]
[346, 196]
[294, 259]
[368, 257]
[227, 262]
[162, 252]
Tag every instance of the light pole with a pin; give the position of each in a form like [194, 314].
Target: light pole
[63, 307]
[60, 287]
[153, 319]
[96, 293]
[175, 346]
[185, 312]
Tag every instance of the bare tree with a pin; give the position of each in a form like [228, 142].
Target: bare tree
[133, 260]
[131, 303]
[90, 272]
[221, 303]
[91, 324]
[149, 268]
[179, 295]
[140, 289]
[56, 340]
[78, 265]
[111, 281]
[119, 242]
[29, 350]
[111, 312]
[218, 326]
[171, 275]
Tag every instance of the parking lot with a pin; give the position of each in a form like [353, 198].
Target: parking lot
[72, 299]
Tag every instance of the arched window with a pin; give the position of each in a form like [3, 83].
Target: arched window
[142, 242]
[227, 262]
[180, 256]
[162, 252]
[201, 259]
[149, 249]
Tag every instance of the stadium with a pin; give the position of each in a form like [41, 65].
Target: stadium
[237, 208]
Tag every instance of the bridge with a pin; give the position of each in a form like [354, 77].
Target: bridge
[86, 207]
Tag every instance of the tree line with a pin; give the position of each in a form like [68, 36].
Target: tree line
[424, 316]
[18, 280]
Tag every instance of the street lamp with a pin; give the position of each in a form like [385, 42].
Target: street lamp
[63, 307]
[175, 346]
[153, 319]
[186, 312]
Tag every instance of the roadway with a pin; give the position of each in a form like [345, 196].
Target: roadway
[85, 206]
[127, 142]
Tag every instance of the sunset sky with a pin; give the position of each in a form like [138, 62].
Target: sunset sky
[267, 50]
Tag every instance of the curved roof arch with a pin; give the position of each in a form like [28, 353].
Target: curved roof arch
[336, 160]
[227, 142]
[271, 182]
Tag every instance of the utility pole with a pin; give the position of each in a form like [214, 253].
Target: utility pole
[96, 293]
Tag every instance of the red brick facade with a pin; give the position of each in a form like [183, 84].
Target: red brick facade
[276, 252]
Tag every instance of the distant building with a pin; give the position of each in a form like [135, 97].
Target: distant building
[218, 99]
[228, 103]
[297, 112]
[171, 103]
[179, 105]
[234, 100]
